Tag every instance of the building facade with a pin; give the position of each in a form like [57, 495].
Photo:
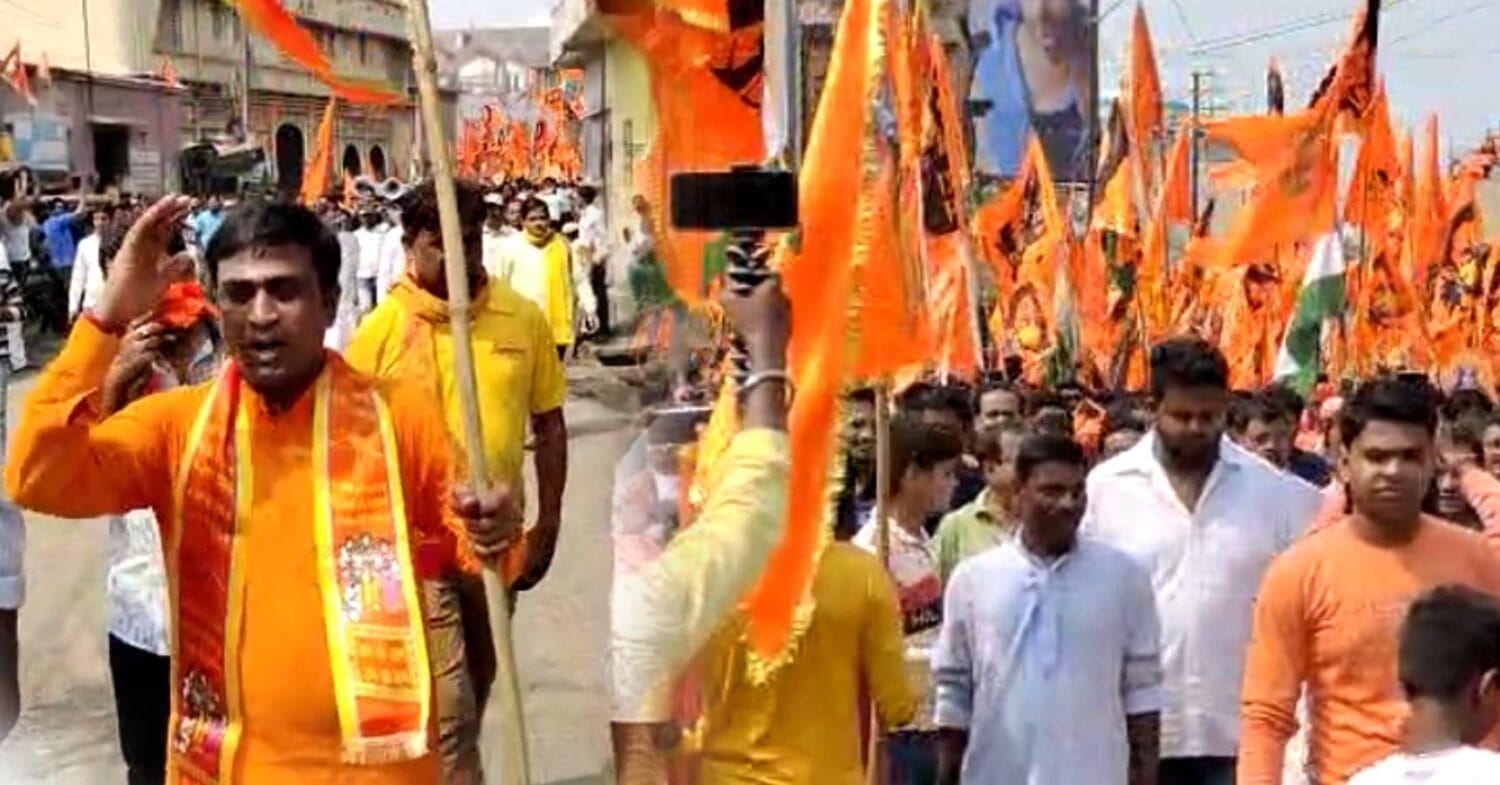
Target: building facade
[502, 67]
[100, 117]
[365, 40]
[114, 116]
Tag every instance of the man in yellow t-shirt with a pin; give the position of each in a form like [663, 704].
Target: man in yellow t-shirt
[521, 383]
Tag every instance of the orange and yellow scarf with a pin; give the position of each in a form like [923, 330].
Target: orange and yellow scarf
[381, 675]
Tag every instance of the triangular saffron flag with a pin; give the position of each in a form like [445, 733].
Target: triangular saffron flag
[319, 175]
[1292, 158]
[277, 25]
[13, 71]
[1145, 105]
[168, 72]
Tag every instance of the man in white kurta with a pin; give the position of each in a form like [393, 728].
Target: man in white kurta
[1047, 664]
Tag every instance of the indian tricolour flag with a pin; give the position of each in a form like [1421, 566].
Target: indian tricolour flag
[1320, 300]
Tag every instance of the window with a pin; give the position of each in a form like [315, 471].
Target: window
[364, 51]
[216, 14]
[169, 29]
[627, 132]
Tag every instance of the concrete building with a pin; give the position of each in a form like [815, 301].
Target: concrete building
[102, 116]
[366, 41]
[108, 113]
[619, 120]
[497, 66]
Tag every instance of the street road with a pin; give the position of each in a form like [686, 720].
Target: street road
[67, 736]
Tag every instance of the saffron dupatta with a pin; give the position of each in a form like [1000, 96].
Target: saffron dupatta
[381, 675]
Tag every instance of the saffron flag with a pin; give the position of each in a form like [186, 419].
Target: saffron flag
[818, 270]
[1145, 88]
[168, 72]
[1372, 190]
[1292, 158]
[277, 25]
[13, 71]
[320, 169]
[706, 89]
[1349, 85]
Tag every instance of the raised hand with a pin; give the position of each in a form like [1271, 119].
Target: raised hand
[142, 269]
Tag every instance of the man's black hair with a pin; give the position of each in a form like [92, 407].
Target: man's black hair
[1451, 637]
[951, 398]
[913, 399]
[1287, 401]
[1187, 362]
[587, 194]
[999, 384]
[419, 207]
[916, 444]
[1123, 415]
[989, 447]
[257, 224]
[1047, 448]
[1460, 402]
[1266, 406]
[1466, 431]
[865, 395]
[531, 203]
[1389, 399]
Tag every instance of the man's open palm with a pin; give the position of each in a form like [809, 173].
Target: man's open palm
[142, 269]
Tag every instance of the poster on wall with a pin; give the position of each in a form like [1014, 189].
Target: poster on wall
[39, 140]
[1033, 67]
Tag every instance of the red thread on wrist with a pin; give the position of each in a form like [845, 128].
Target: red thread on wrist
[101, 326]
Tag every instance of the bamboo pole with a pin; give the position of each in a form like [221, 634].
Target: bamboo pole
[507, 693]
[875, 773]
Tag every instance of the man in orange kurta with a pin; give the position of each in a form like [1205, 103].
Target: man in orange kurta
[278, 716]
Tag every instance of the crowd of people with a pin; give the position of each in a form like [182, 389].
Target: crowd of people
[1191, 585]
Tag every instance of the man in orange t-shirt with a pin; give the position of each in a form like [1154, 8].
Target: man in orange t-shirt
[1329, 609]
[298, 502]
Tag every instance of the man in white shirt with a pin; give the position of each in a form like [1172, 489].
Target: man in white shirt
[1205, 518]
[1449, 660]
[392, 260]
[495, 231]
[370, 237]
[87, 279]
[593, 246]
[1048, 656]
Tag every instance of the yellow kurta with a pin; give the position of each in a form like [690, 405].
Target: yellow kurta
[290, 721]
[803, 727]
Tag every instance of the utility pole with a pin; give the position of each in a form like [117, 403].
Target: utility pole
[1195, 153]
[245, 85]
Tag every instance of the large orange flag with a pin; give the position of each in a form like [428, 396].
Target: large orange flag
[320, 169]
[706, 89]
[1145, 88]
[945, 197]
[1349, 85]
[1430, 211]
[1292, 158]
[278, 26]
[1376, 172]
[818, 270]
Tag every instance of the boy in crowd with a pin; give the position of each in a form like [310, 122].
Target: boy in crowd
[1449, 664]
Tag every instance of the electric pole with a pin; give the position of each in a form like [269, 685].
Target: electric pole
[1195, 153]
